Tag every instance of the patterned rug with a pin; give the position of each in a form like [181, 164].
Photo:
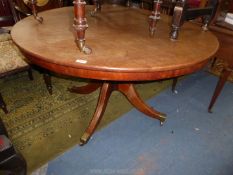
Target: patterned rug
[218, 67]
[42, 126]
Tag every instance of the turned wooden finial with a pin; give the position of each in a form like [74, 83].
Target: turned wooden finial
[80, 25]
[154, 17]
[34, 11]
[97, 7]
[177, 19]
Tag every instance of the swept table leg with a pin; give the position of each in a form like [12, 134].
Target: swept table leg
[87, 89]
[105, 93]
[131, 94]
[106, 89]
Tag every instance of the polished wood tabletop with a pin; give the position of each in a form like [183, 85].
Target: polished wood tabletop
[123, 51]
[121, 46]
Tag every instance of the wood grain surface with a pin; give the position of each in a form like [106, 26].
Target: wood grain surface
[122, 49]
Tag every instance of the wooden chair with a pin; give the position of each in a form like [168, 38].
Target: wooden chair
[183, 13]
[11, 59]
[31, 7]
[224, 32]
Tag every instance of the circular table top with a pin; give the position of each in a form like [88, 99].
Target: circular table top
[122, 49]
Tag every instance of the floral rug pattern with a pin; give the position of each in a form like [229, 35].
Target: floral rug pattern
[42, 126]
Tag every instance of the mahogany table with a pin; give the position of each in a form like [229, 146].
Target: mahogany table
[122, 52]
